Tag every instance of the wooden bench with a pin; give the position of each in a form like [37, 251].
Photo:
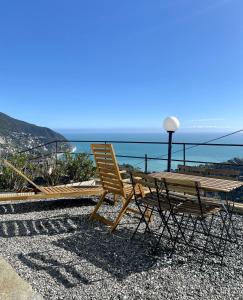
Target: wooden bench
[192, 170]
[216, 173]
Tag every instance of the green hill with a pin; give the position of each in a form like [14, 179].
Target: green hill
[17, 135]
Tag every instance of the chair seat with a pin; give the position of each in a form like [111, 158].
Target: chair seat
[205, 200]
[138, 189]
[151, 200]
[193, 208]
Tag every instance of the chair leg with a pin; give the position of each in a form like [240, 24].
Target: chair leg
[179, 229]
[102, 198]
[164, 220]
[121, 214]
[140, 221]
[227, 228]
[207, 233]
[194, 229]
[115, 199]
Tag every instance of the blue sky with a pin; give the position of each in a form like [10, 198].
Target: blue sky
[122, 64]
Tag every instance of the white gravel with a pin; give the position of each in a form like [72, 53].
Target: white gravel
[63, 255]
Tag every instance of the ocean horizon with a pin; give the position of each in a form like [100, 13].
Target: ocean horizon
[199, 153]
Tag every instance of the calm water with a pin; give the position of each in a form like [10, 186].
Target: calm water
[200, 153]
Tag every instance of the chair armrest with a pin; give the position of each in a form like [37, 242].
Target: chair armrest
[123, 171]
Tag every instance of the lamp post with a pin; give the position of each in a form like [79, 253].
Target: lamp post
[171, 124]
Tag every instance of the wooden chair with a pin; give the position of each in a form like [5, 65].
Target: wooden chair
[111, 180]
[41, 192]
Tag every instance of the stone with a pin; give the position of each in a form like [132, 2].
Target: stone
[13, 287]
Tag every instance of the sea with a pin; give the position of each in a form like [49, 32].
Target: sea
[153, 151]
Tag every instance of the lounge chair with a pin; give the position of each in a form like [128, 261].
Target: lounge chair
[50, 191]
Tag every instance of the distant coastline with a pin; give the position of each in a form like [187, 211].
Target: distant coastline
[201, 153]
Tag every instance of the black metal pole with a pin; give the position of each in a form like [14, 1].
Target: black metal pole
[184, 154]
[146, 163]
[169, 151]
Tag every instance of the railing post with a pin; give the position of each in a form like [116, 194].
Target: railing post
[184, 154]
[146, 164]
[169, 151]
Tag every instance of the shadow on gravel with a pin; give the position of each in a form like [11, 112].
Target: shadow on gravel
[64, 273]
[45, 226]
[94, 254]
[35, 206]
[115, 254]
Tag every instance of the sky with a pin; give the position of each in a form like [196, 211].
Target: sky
[122, 65]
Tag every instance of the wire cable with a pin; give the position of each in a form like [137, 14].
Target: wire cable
[194, 146]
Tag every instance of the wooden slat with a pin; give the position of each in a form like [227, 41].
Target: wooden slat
[103, 156]
[223, 171]
[94, 146]
[113, 190]
[9, 195]
[112, 185]
[108, 174]
[109, 179]
[216, 173]
[105, 161]
[181, 185]
[191, 170]
[101, 151]
[91, 191]
[107, 169]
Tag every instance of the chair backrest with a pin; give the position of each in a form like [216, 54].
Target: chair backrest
[192, 170]
[184, 186]
[143, 179]
[107, 168]
[155, 189]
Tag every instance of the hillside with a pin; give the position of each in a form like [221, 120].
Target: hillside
[17, 135]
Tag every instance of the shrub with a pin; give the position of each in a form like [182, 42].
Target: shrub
[71, 167]
[9, 180]
[79, 167]
[75, 167]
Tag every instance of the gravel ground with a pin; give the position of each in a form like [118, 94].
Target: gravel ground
[63, 255]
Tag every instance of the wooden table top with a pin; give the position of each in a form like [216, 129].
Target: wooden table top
[207, 183]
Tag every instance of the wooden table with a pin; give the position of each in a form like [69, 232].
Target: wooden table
[206, 183]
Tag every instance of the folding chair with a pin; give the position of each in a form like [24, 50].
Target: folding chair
[110, 177]
[197, 216]
[156, 201]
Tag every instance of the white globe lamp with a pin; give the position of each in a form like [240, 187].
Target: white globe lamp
[171, 124]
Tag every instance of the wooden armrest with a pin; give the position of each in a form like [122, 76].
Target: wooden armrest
[126, 180]
[123, 171]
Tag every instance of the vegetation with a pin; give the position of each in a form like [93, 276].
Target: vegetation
[69, 168]
[10, 180]
[16, 135]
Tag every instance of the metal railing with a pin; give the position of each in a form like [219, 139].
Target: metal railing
[55, 152]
